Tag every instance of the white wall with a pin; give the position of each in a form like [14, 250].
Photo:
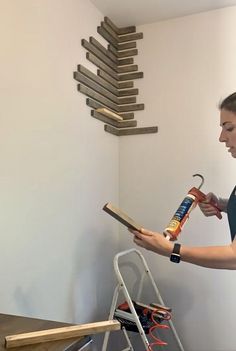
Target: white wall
[58, 167]
[189, 66]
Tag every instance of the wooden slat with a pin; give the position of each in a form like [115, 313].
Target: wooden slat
[108, 113]
[97, 88]
[126, 61]
[107, 36]
[124, 30]
[128, 92]
[114, 82]
[93, 95]
[128, 45]
[120, 124]
[124, 53]
[97, 79]
[127, 100]
[130, 76]
[96, 105]
[101, 65]
[103, 50]
[130, 37]
[109, 30]
[91, 48]
[128, 108]
[130, 131]
[126, 115]
[60, 333]
[128, 68]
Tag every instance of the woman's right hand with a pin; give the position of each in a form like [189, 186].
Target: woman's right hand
[210, 206]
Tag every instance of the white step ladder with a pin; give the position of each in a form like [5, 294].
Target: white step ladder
[122, 288]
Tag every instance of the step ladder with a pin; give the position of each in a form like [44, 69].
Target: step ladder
[132, 318]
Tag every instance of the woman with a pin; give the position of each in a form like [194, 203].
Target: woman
[220, 257]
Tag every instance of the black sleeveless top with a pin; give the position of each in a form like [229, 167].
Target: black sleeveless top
[231, 211]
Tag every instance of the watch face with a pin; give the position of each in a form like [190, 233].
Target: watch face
[175, 258]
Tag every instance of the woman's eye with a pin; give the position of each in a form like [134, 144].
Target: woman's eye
[230, 129]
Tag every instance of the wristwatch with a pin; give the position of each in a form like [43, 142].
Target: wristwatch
[175, 255]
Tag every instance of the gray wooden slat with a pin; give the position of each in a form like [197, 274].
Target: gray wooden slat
[93, 95]
[107, 36]
[128, 45]
[130, 37]
[121, 124]
[126, 61]
[91, 48]
[128, 108]
[126, 115]
[124, 30]
[103, 50]
[115, 83]
[128, 68]
[101, 65]
[95, 105]
[130, 131]
[128, 92]
[110, 31]
[130, 76]
[99, 89]
[127, 100]
[124, 53]
[98, 80]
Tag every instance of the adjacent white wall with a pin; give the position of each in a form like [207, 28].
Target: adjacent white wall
[58, 167]
[189, 66]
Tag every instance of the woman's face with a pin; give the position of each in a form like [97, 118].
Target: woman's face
[228, 132]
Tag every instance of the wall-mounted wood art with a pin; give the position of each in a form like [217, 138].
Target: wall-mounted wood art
[110, 93]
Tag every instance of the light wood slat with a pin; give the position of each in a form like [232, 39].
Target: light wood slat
[97, 88]
[130, 37]
[110, 31]
[128, 45]
[130, 76]
[101, 65]
[108, 113]
[128, 108]
[96, 105]
[115, 83]
[103, 50]
[128, 92]
[125, 69]
[98, 80]
[91, 48]
[93, 95]
[107, 36]
[130, 131]
[124, 30]
[121, 124]
[60, 333]
[124, 53]
[126, 61]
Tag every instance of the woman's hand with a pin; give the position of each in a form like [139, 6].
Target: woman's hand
[211, 206]
[152, 241]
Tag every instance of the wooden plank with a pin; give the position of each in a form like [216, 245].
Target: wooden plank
[130, 37]
[61, 333]
[108, 113]
[91, 48]
[103, 50]
[114, 82]
[126, 115]
[128, 108]
[93, 95]
[101, 65]
[107, 36]
[124, 30]
[130, 131]
[121, 216]
[96, 105]
[97, 88]
[128, 68]
[97, 79]
[127, 100]
[117, 124]
[124, 53]
[127, 92]
[109, 30]
[128, 45]
[126, 61]
[130, 76]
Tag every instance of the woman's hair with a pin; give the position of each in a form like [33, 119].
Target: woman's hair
[229, 103]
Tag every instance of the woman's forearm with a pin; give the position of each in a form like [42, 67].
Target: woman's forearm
[223, 203]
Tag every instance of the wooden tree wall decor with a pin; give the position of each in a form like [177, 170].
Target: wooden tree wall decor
[110, 93]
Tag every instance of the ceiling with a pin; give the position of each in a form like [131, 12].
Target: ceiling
[138, 12]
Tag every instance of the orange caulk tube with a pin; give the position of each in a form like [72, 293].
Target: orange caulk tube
[180, 217]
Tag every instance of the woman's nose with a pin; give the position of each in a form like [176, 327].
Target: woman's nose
[222, 137]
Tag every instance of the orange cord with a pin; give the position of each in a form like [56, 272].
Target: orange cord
[156, 325]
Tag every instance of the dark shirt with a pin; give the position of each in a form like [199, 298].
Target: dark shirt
[231, 211]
